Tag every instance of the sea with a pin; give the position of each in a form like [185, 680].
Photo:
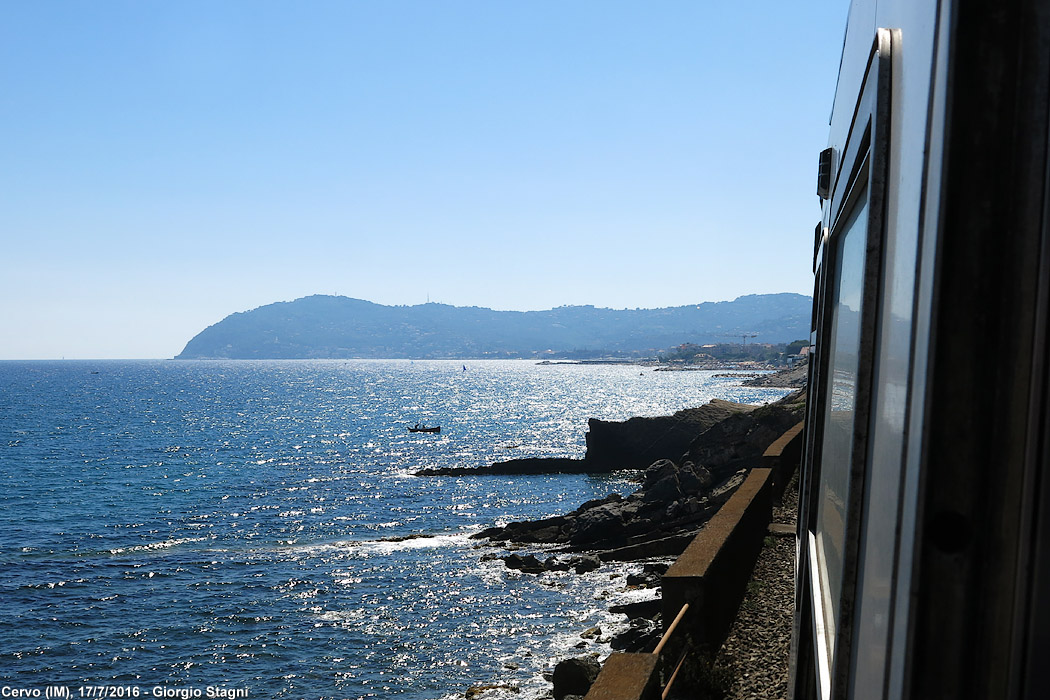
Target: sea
[253, 529]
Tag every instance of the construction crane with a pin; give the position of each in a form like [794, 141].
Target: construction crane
[743, 336]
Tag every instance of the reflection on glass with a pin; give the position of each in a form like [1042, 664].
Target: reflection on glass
[843, 347]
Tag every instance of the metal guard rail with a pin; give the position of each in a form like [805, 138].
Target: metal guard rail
[663, 642]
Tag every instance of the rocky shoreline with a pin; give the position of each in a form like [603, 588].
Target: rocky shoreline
[678, 493]
[794, 377]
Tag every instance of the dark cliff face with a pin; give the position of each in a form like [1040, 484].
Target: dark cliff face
[338, 327]
[638, 442]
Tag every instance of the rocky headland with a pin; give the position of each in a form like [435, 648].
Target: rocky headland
[617, 445]
[322, 326]
[676, 495]
[638, 442]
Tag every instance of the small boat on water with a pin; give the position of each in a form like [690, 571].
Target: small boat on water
[424, 429]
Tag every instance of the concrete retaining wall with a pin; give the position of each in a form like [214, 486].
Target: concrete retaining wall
[712, 573]
[784, 457]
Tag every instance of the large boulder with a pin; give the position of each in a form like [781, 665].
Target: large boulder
[585, 564]
[694, 479]
[544, 531]
[598, 523]
[666, 482]
[575, 676]
[660, 482]
[528, 564]
[641, 637]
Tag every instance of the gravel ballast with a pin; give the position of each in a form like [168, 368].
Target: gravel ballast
[758, 647]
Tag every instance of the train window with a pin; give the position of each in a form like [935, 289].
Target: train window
[842, 347]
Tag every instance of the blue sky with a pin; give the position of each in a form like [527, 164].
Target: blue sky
[165, 164]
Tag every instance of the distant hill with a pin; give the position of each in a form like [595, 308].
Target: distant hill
[339, 327]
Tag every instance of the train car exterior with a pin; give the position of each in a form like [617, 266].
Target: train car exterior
[923, 541]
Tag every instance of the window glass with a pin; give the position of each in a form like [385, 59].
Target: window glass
[843, 348]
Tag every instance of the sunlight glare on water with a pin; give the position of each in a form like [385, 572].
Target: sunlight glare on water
[257, 524]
